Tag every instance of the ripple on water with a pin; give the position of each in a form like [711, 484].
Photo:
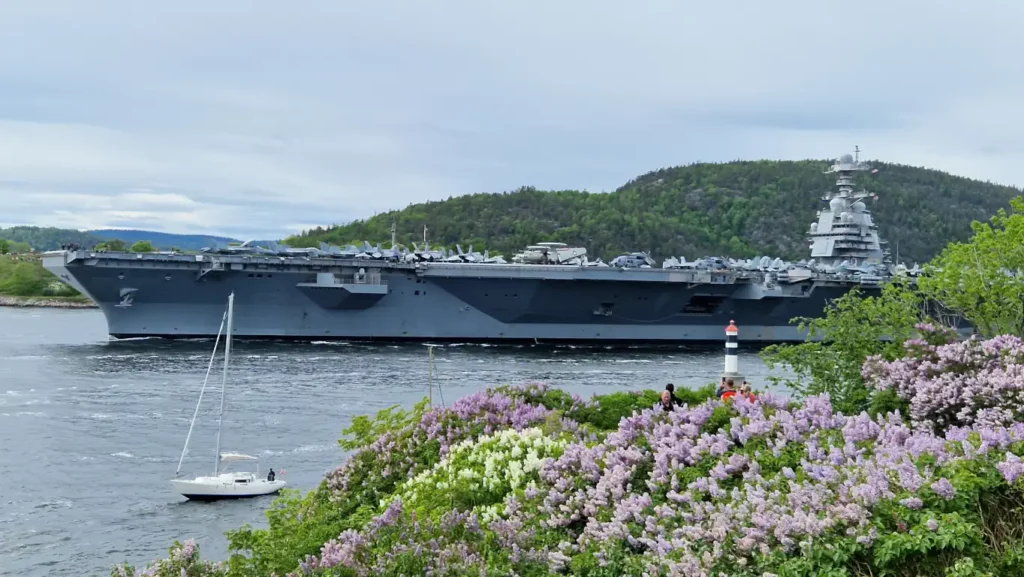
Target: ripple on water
[53, 503]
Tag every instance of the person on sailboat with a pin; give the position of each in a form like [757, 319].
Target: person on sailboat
[270, 475]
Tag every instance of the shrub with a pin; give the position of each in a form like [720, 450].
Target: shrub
[853, 328]
[142, 246]
[746, 489]
[389, 450]
[24, 279]
[952, 384]
[183, 561]
[785, 489]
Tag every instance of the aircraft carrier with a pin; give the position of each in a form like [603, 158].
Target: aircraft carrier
[549, 293]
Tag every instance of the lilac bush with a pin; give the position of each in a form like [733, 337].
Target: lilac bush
[778, 485]
[183, 561]
[401, 454]
[480, 472]
[504, 483]
[398, 543]
[950, 383]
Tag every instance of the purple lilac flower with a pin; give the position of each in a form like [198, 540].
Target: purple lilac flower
[956, 383]
[944, 489]
[912, 503]
[1012, 468]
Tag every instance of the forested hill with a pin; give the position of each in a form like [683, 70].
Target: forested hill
[162, 240]
[738, 209]
[25, 238]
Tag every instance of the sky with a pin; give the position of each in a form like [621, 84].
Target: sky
[261, 118]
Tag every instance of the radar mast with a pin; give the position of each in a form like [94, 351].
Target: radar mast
[845, 236]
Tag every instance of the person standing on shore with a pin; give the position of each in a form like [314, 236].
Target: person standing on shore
[669, 400]
[747, 392]
[721, 388]
[728, 390]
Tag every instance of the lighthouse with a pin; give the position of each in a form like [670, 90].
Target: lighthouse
[732, 362]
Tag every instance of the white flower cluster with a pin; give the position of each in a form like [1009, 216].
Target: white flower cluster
[494, 463]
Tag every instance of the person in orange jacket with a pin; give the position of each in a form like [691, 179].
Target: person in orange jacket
[728, 389]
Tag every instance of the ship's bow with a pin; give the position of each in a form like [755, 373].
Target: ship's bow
[60, 263]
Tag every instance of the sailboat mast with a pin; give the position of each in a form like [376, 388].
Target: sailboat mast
[209, 368]
[224, 379]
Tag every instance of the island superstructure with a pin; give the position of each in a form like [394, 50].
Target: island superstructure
[549, 293]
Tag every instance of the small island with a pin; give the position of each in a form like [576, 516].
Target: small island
[897, 450]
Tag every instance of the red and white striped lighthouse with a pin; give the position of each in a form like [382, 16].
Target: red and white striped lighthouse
[732, 362]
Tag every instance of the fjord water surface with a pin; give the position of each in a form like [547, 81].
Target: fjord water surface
[91, 430]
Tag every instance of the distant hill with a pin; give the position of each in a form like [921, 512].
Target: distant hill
[739, 209]
[49, 238]
[162, 240]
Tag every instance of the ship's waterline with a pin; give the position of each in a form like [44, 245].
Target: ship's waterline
[159, 296]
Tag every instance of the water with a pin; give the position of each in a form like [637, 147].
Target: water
[91, 431]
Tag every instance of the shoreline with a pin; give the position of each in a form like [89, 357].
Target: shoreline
[45, 302]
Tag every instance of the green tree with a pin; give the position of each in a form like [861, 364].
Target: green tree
[142, 246]
[853, 328]
[26, 277]
[5, 246]
[112, 245]
[19, 248]
[983, 279]
[25, 280]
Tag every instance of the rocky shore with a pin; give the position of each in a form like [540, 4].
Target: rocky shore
[9, 301]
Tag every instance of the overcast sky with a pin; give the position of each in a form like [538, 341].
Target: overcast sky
[261, 118]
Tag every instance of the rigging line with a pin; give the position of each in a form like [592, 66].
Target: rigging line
[430, 376]
[441, 394]
[201, 391]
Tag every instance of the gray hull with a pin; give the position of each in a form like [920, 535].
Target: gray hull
[181, 296]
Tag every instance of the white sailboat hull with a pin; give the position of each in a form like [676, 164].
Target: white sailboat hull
[226, 486]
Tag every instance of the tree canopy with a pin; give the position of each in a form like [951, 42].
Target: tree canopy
[850, 329]
[112, 245]
[25, 277]
[142, 246]
[983, 279]
[162, 240]
[47, 238]
[739, 209]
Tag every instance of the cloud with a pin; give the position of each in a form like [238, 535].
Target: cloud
[248, 118]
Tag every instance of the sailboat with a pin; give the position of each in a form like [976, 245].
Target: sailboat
[223, 485]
